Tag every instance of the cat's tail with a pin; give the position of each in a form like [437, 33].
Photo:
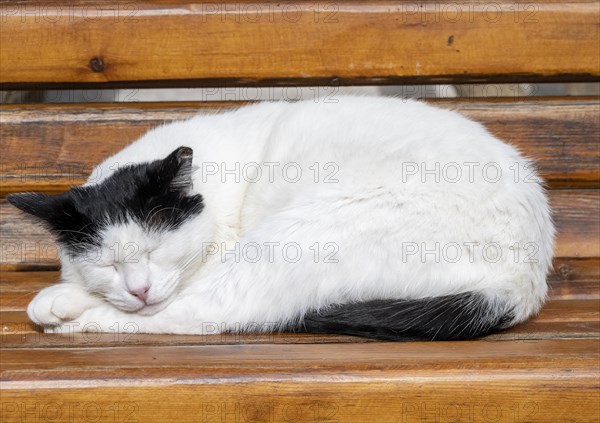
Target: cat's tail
[452, 317]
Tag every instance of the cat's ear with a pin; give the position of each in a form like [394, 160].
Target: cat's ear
[177, 167]
[42, 206]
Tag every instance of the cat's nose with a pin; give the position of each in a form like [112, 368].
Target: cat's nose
[141, 293]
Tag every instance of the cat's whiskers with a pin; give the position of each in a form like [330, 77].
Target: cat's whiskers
[152, 213]
[168, 285]
[118, 301]
[86, 235]
[188, 260]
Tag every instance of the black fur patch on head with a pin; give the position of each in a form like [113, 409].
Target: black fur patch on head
[155, 195]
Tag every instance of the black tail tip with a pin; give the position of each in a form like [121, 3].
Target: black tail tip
[453, 317]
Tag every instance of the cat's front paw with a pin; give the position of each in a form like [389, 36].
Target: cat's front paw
[102, 318]
[59, 303]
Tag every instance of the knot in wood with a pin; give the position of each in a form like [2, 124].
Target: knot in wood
[97, 64]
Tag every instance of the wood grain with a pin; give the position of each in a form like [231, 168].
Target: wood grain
[410, 399]
[52, 147]
[208, 361]
[573, 269]
[570, 207]
[542, 381]
[342, 42]
[561, 135]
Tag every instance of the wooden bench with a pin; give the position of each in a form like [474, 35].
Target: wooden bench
[546, 370]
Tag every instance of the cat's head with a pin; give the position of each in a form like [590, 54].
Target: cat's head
[129, 237]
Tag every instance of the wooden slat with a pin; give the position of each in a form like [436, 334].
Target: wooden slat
[300, 42]
[379, 401]
[561, 135]
[52, 147]
[18, 332]
[84, 362]
[26, 245]
[573, 269]
[542, 381]
[570, 311]
[571, 208]
[18, 282]
[579, 290]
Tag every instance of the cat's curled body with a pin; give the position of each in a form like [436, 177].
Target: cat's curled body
[371, 216]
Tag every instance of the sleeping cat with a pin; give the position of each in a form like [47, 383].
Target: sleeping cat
[371, 216]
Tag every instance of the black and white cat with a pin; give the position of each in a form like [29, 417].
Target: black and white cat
[372, 216]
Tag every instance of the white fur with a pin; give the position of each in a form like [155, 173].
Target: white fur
[372, 218]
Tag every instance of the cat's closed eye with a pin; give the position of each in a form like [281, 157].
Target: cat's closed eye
[108, 266]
